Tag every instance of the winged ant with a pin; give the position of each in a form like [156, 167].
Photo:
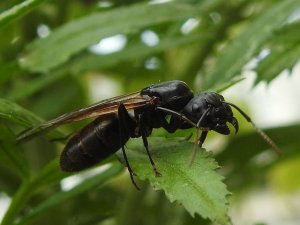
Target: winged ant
[114, 124]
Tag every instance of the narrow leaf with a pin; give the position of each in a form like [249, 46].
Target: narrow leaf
[45, 54]
[10, 155]
[247, 44]
[284, 52]
[37, 84]
[198, 187]
[277, 62]
[61, 197]
[131, 52]
[15, 113]
[18, 11]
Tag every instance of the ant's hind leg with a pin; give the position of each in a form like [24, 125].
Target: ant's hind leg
[131, 173]
[145, 141]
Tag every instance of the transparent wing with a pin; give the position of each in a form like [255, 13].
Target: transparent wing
[130, 101]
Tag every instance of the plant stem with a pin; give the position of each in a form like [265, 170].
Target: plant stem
[21, 196]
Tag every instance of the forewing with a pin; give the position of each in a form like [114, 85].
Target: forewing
[131, 101]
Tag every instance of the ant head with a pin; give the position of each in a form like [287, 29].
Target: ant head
[209, 110]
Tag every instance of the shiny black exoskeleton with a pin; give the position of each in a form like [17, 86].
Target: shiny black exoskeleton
[213, 110]
[108, 134]
[151, 106]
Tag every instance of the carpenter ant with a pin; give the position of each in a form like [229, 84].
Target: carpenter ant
[114, 125]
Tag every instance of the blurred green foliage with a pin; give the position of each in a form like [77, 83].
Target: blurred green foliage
[47, 66]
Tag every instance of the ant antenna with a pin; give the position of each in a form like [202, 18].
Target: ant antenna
[258, 130]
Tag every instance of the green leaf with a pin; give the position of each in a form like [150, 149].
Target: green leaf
[48, 175]
[15, 113]
[229, 84]
[248, 43]
[18, 11]
[7, 71]
[198, 187]
[37, 84]
[71, 38]
[10, 154]
[60, 197]
[284, 52]
[88, 62]
[131, 52]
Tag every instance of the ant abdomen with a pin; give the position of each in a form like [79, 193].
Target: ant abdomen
[92, 144]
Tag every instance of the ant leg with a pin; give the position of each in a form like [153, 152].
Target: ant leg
[145, 141]
[169, 127]
[184, 118]
[188, 137]
[129, 168]
[124, 120]
[202, 138]
[176, 115]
